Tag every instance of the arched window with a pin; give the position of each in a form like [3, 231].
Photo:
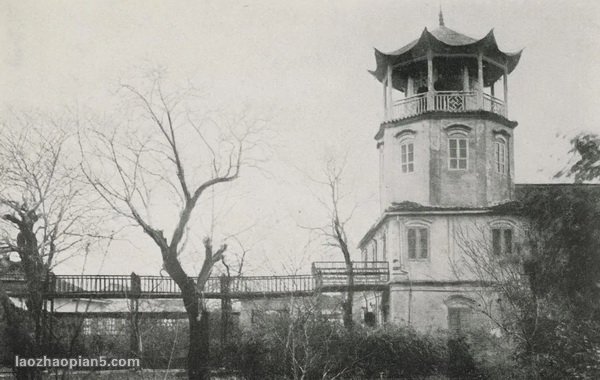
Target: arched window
[417, 241]
[502, 241]
[459, 319]
[460, 314]
[500, 156]
[408, 157]
[458, 149]
[502, 237]
[406, 140]
[407, 154]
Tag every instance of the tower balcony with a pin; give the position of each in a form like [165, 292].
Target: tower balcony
[446, 101]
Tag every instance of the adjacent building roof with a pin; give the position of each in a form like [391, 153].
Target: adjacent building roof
[522, 192]
[407, 206]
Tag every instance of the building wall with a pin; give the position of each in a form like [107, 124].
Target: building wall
[433, 182]
[426, 308]
[253, 310]
[398, 186]
[449, 236]
[74, 305]
[420, 288]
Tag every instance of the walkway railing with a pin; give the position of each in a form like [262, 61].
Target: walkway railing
[272, 284]
[447, 101]
[65, 284]
[326, 276]
[335, 273]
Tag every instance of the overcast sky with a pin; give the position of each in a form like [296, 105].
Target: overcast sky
[304, 63]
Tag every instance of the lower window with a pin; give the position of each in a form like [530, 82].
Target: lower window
[459, 319]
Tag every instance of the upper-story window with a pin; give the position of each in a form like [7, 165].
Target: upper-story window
[418, 243]
[502, 240]
[458, 147]
[500, 156]
[458, 151]
[407, 151]
[406, 140]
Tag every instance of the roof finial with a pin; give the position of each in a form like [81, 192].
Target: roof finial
[441, 16]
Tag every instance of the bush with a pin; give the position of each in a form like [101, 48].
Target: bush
[313, 348]
[395, 352]
[485, 356]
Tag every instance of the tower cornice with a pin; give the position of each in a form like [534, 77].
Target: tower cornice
[438, 115]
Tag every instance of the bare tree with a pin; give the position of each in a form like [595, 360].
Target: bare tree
[334, 232]
[45, 212]
[164, 160]
[302, 335]
[499, 276]
[505, 296]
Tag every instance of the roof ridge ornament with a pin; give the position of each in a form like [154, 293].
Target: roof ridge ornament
[441, 16]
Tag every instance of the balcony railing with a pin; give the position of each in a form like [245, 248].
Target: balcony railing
[448, 101]
[494, 105]
[413, 106]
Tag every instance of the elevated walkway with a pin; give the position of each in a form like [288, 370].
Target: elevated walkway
[326, 277]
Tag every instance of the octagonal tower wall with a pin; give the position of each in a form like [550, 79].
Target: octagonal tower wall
[433, 181]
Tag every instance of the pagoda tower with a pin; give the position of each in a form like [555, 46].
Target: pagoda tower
[445, 163]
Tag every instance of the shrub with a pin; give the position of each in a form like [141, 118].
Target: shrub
[314, 348]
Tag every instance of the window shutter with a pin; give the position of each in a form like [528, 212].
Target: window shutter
[496, 242]
[423, 242]
[412, 243]
[454, 320]
[508, 241]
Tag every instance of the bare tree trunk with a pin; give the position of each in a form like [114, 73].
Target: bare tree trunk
[198, 354]
[349, 302]
[36, 275]
[20, 341]
[198, 321]
[198, 351]
[335, 234]
[225, 283]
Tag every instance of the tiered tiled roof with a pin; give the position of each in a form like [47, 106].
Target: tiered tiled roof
[443, 40]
